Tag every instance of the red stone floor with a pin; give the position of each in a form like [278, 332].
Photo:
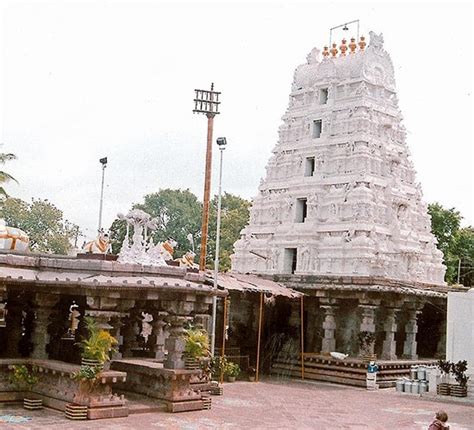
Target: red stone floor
[276, 404]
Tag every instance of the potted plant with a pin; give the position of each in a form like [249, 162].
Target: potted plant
[366, 345]
[25, 378]
[459, 371]
[232, 370]
[218, 366]
[96, 348]
[251, 372]
[443, 387]
[196, 348]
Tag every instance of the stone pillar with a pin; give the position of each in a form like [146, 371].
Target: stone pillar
[14, 330]
[159, 335]
[203, 322]
[411, 329]
[40, 338]
[367, 324]
[329, 326]
[117, 323]
[390, 327]
[175, 342]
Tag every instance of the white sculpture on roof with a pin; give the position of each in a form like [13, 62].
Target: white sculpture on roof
[140, 249]
[12, 238]
[101, 245]
[340, 196]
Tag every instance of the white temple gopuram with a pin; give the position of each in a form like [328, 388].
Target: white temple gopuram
[340, 196]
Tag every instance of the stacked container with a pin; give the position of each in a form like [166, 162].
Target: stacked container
[417, 384]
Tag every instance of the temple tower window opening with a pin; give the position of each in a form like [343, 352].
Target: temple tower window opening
[290, 260]
[317, 128]
[309, 166]
[301, 209]
[323, 96]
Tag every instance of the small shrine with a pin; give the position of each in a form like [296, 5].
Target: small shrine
[143, 299]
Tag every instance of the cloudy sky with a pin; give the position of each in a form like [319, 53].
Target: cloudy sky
[86, 79]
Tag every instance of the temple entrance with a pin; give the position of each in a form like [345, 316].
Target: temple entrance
[430, 330]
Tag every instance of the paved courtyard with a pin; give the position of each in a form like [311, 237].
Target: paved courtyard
[273, 405]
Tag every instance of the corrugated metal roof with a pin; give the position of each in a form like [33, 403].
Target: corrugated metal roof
[255, 284]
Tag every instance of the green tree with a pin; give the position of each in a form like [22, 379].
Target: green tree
[455, 242]
[444, 225]
[43, 222]
[234, 217]
[4, 176]
[462, 254]
[178, 213]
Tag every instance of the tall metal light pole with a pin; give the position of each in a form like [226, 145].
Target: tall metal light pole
[222, 142]
[206, 102]
[102, 161]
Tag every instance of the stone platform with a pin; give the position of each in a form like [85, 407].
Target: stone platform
[169, 386]
[57, 388]
[351, 371]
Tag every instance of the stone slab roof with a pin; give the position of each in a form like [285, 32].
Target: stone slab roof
[71, 272]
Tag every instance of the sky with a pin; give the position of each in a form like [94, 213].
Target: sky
[81, 80]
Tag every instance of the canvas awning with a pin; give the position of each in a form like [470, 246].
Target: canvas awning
[254, 284]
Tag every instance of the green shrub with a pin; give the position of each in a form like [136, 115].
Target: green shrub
[99, 344]
[24, 377]
[197, 343]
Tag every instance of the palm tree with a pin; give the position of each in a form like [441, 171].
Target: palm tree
[4, 176]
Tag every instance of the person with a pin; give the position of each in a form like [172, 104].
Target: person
[372, 370]
[440, 421]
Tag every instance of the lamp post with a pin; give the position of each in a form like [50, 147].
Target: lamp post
[102, 161]
[221, 142]
[206, 102]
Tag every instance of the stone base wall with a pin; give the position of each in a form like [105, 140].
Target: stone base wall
[348, 372]
[57, 388]
[173, 386]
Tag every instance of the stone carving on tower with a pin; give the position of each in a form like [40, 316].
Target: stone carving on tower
[340, 195]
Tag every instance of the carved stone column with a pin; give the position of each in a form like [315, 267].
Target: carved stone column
[116, 331]
[40, 338]
[411, 329]
[329, 326]
[367, 325]
[389, 347]
[14, 330]
[159, 335]
[175, 342]
[130, 331]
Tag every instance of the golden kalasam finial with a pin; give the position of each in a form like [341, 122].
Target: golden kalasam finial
[334, 50]
[325, 52]
[343, 48]
[362, 43]
[353, 45]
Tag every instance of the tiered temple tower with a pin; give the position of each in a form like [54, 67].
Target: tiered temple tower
[340, 196]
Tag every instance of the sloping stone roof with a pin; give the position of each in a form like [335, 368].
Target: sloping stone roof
[72, 272]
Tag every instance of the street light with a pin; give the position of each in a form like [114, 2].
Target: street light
[102, 161]
[221, 142]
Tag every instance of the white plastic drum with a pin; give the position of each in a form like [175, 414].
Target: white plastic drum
[399, 385]
[421, 373]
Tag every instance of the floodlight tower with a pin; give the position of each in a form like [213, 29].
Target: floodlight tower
[206, 102]
[102, 161]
